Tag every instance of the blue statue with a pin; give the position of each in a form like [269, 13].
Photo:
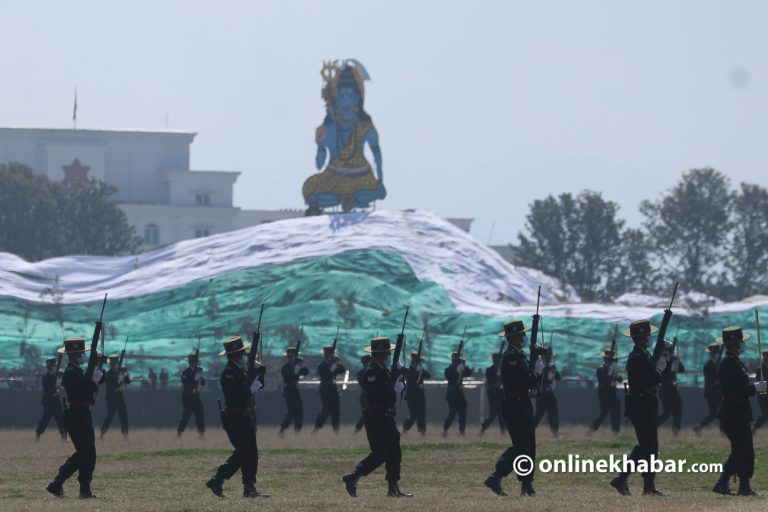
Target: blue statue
[347, 179]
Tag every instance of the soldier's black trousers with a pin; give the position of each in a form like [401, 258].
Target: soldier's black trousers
[762, 400]
[609, 404]
[547, 404]
[79, 426]
[417, 410]
[331, 406]
[713, 404]
[384, 441]
[192, 404]
[518, 416]
[457, 404]
[51, 409]
[642, 412]
[741, 460]
[242, 434]
[671, 405]
[116, 405]
[494, 404]
[295, 409]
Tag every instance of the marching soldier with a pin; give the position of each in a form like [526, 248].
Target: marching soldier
[736, 413]
[642, 405]
[237, 419]
[328, 369]
[366, 360]
[291, 371]
[671, 403]
[546, 403]
[191, 380]
[380, 425]
[414, 394]
[762, 399]
[493, 392]
[80, 390]
[51, 402]
[518, 378]
[711, 387]
[115, 401]
[457, 403]
[607, 377]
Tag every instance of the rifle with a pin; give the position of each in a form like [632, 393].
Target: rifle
[336, 338]
[536, 351]
[122, 357]
[398, 348]
[255, 347]
[759, 349]
[613, 341]
[58, 367]
[461, 342]
[197, 354]
[298, 343]
[94, 356]
[659, 347]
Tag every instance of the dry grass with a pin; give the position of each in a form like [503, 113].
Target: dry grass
[152, 471]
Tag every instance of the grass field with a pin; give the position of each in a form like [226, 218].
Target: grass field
[153, 471]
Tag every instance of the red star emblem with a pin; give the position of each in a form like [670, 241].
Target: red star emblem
[75, 171]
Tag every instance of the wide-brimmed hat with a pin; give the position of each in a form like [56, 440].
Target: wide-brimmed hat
[513, 328]
[712, 347]
[640, 328]
[114, 358]
[731, 335]
[73, 346]
[50, 361]
[328, 348]
[415, 355]
[609, 354]
[290, 351]
[379, 344]
[234, 345]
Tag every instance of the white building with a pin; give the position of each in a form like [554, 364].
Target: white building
[162, 197]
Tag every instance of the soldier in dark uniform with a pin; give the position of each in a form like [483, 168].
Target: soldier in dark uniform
[328, 369]
[237, 419]
[546, 403]
[762, 398]
[51, 402]
[607, 377]
[115, 401]
[414, 394]
[518, 378]
[671, 403]
[457, 403]
[191, 380]
[736, 413]
[80, 389]
[366, 360]
[493, 392]
[642, 405]
[380, 424]
[711, 387]
[291, 371]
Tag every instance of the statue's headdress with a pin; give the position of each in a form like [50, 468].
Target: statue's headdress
[340, 73]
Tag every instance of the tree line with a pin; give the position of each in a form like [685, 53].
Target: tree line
[40, 218]
[701, 232]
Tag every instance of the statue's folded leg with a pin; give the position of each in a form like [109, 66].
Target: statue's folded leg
[363, 198]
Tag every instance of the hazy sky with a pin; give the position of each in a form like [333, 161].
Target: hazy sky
[480, 106]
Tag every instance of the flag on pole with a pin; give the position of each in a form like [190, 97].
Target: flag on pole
[74, 109]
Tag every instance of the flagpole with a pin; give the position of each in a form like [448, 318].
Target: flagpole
[74, 112]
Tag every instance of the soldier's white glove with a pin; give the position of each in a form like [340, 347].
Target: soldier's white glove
[612, 369]
[334, 365]
[97, 375]
[761, 386]
[460, 369]
[538, 367]
[675, 365]
[256, 385]
[298, 365]
[197, 376]
[661, 365]
[419, 367]
[399, 386]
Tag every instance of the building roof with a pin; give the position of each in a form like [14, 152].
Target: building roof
[57, 132]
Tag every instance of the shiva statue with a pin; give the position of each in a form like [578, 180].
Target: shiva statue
[347, 179]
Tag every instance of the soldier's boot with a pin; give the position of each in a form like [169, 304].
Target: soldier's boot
[85, 492]
[721, 486]
[649, 487]
[350, 482]
[395, 492]
[56, 488]
[526, 488]
[620, 484]
[445, 433]
[697, 429]
[493, 482]
[37, 437]
[675, 431]
[215, 485]
[745, 489]
[249, 491]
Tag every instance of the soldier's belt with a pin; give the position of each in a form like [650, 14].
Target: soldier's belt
[734, 398]
[642, 392]
[80, 406]
[517, 395]
[239, 411]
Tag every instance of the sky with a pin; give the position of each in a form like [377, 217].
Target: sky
[481, 107]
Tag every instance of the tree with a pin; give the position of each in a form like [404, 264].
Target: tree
[687, 228]
[41, 219]
[746, 258]
[634, 273]
[575, 240]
